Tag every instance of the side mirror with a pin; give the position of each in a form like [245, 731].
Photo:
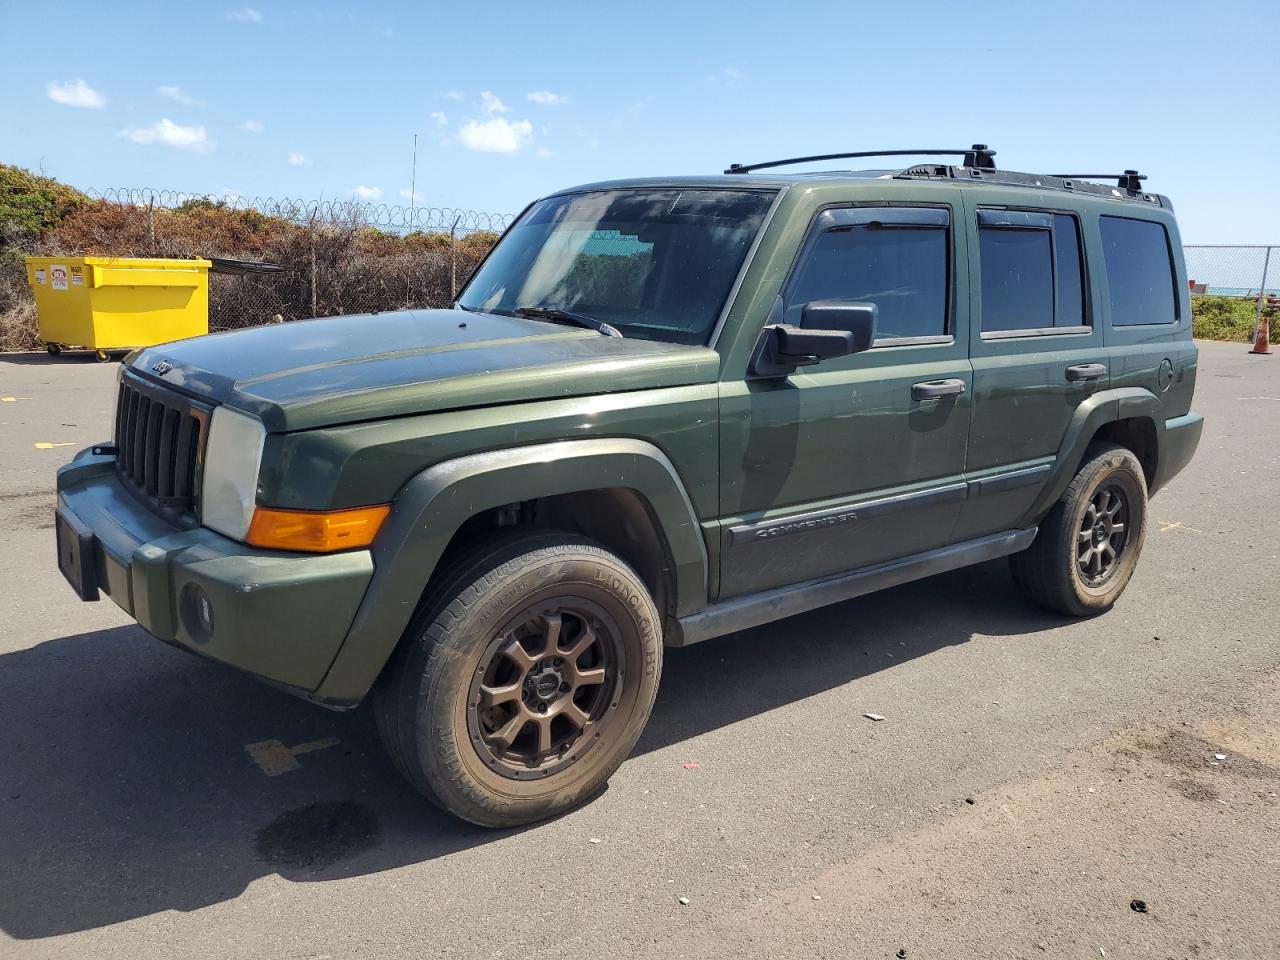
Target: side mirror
[830, 329]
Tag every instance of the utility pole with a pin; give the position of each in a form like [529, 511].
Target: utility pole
[413, 184]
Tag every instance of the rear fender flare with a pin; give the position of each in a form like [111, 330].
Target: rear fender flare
[434, 504]
[1103, 407]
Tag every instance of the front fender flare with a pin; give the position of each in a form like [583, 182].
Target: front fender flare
[430, 508]
[1103, 407]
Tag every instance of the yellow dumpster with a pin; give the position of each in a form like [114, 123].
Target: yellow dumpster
[110, 303]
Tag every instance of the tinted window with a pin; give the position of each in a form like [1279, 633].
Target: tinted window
[1139, 271]
[1017, 278]
[1032, 278]
[901, 269]
[657, 264]
[1070, 276]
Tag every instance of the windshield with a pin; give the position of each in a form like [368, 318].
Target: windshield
[656, 264]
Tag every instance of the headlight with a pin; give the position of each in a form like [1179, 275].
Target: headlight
[231, 460]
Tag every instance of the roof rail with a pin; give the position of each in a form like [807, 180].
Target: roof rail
[1129, 180]
[979, 156]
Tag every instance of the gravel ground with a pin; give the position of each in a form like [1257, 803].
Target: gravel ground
[152, 804]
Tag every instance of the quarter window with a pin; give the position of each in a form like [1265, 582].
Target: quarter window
[894, 258]
[1031, 271]
[1139, 271]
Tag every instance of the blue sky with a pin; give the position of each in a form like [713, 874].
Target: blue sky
[513, 100]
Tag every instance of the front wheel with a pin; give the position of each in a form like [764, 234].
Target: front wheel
[1088, 546]
[525, 681]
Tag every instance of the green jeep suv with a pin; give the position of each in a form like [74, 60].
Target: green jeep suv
[660, 411]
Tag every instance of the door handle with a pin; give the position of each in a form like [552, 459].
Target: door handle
[936, 389]
[1086, 371]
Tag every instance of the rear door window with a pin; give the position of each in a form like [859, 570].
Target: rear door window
[1139, 271]
[1031, 271]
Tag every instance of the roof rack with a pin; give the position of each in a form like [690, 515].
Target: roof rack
[978, 156]
[1129, 180]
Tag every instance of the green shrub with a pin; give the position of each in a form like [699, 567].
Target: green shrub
[1227, 318]
[31, 205]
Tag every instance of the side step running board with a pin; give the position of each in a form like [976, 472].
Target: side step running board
[740, 613]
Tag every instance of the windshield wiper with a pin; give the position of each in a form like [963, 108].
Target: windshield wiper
[556, 315]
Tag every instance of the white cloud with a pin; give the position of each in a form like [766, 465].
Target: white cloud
[245, 15]
[297, 160]
[545, 152]
[414, 196]
[495, 135]
[546, 98]
[75, 94]
[454, 95]
[180, 95]
[253, 126]
[166, 133]
[440, 119]
[491, 104]
[367, 193]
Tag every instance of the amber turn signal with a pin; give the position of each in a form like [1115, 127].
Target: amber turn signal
[316, 531]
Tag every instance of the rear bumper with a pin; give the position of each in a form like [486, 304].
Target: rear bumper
[280, 616]
[1177, 447]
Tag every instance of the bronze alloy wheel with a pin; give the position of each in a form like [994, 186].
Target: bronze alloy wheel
[1102, 535]
[1087, 548]
[525, 679]
[544, 687]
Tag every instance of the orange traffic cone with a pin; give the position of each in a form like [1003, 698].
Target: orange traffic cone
[1262, 343]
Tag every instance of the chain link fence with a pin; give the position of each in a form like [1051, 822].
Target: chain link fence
[1233, 287]
[1233, 270]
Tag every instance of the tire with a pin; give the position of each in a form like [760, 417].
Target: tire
[102, 356]
[1087, 548]
[567, 625]
[53, 349]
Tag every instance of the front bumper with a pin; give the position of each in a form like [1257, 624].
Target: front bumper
[280, 616]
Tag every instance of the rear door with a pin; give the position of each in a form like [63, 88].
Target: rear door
[1037, 350]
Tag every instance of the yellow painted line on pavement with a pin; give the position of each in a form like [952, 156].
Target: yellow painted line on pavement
[274, 758]
[45, 445]
[12, 399]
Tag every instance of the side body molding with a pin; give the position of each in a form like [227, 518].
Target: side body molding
[1103, 407]
[431, 507]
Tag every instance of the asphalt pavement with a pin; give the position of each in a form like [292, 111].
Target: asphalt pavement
[1038, 787]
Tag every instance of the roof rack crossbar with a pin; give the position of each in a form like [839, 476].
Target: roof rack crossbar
[1129, 180]
[979, 155]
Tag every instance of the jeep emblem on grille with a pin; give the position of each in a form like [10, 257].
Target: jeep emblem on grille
[161, 367]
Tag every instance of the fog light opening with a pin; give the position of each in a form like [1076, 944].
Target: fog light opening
[197, 612]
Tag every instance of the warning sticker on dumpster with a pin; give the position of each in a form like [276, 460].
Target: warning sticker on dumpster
[58, 276]
[77, 278]
[40, 276]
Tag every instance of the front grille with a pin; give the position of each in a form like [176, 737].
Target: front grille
[160, 437]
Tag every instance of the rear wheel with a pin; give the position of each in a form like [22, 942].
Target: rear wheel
[1088, 546]
[525, 681]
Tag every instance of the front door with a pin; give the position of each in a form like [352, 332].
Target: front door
[858, 460]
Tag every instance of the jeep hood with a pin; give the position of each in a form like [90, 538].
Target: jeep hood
[316, 373]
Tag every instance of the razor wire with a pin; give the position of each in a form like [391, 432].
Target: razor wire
[397, 218]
